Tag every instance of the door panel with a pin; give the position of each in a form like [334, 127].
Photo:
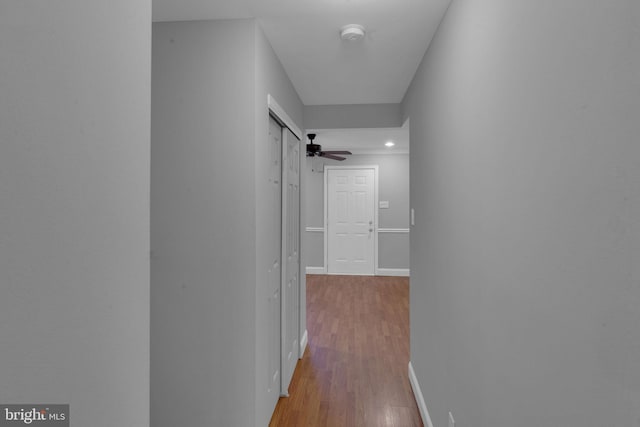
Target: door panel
[291, 256]
[274, 273]
[351, 221]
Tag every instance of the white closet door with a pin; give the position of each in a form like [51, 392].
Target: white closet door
[290, 256]
[274, 274]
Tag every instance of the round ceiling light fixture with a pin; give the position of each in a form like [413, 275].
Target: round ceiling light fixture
[352, 32]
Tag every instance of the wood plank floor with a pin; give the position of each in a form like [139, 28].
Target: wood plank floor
[354, 370]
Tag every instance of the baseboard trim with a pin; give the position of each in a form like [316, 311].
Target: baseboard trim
[417, 393]
[401, 272]
[398, 272]
[303, 343]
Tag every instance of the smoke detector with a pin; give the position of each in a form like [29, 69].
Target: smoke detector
[352, 32]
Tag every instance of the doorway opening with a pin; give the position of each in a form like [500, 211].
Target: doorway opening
[347, 298]
[327, 253]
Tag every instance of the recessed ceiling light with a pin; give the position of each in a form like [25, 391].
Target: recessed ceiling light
[389, 143]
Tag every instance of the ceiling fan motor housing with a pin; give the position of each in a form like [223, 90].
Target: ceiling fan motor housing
[313, 149]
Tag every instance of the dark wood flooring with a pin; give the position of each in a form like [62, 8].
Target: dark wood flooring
[354, 370]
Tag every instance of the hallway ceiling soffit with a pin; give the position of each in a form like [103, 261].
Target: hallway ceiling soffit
[305, 35]
[364, 141]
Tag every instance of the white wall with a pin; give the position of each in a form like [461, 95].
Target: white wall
[209, 223]
[393, 248]
[525, 281]
[74, 208]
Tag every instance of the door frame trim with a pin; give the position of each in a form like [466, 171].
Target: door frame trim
[281, 115]
[375, 211]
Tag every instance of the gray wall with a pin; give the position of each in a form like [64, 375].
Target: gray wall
[356, 116]
[209, 132]
[270, 79]
[74, 208]
[525, 281]
[393, 180]
[203, 224]
[314, 212]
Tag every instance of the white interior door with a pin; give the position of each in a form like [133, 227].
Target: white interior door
[351, 218]
[290, 257]
[274, 273]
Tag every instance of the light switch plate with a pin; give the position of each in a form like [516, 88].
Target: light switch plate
[384, 204]
[413, 217]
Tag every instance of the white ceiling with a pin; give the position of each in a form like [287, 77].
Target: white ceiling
[305, 36]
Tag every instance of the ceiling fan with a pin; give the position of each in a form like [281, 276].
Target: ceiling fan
[316, 150]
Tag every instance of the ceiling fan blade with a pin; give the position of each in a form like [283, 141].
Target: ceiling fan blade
[337, 152]
[331, 156]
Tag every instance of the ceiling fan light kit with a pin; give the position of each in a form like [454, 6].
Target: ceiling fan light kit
[352, 32]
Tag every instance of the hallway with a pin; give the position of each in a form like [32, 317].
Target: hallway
[354, 370]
